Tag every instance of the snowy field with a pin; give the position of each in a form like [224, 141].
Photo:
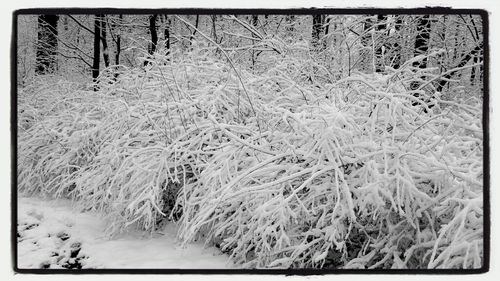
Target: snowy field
[53, 235]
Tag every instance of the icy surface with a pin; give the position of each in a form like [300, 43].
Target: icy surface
[51, 234]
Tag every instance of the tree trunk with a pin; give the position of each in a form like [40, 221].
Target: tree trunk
[97, 51]
[422, 40]
[477, 51]
[118, 45]
[154, 36]
[195, 29]
[421, 46]
[255, 20]
[325, 26]
[214, 30]
[166, 34]
[105, 53]
[46, 53]
[379, 56]
[317, 27]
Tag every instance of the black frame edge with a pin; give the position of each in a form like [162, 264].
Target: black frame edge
[299, 11]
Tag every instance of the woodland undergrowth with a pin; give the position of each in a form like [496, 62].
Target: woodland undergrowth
[278, 165]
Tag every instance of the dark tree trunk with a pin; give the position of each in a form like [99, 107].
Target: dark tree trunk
[214, 30]
[97, 49]
[421, 44]
[118, 45]
[473, 71]
[325, 23]
[422, 40]
[456, 42]
[46, 53]
[195, 29]
[255, 21]
[214, 33]
[154, 36]
[379, 56]
[166, 33]
[316, 33]
[463, 61]
[105, 53]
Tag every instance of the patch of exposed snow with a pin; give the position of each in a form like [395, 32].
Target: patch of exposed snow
[52, 234]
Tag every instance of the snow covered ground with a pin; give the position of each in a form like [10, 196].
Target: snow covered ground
[51, 234]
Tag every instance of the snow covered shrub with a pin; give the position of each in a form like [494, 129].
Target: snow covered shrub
[357, 177]
[277, 169]
[49, 151]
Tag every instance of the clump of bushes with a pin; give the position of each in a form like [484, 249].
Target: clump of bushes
[276, 171]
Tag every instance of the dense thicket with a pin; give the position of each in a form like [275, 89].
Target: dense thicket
[287, 141]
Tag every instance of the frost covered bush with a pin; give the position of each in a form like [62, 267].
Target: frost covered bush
[276, 170]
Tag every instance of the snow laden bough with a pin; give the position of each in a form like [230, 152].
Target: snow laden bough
[271, 168]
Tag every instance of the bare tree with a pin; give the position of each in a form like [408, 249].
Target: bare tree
[255, 20]
[105, 54]
[97, 49]
[379, 51]
[154, 36]
[46, 54]
[317, 30]
[118, 45]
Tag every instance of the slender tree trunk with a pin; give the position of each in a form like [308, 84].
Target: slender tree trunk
[166, 33]
[421, 46]
[317, 27]
[456, 42]
[255, 20]
[422, 40]
[443, 38]
[214, 30]
[97, 50]
[473, 71]
[196, 29]
[477, 51]
[105, 52]
[379, 56]
[154, 36]
[118, 45]
[46, 53]
[325, 23]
